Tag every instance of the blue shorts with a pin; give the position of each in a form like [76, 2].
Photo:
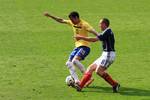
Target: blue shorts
[81, 51]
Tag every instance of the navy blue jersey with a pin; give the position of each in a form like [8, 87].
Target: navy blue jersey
[108, 40]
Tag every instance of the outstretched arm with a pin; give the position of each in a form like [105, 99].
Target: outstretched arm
[90, 39]
[60, 20]
[93, 32]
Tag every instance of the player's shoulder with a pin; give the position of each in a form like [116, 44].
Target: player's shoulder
[86, 25]
[68, 21]
[108, 31]
[84, 22]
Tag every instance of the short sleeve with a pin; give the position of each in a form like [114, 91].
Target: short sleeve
[68, 22]
[88, 27]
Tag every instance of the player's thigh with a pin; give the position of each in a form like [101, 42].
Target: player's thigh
[105, 60]
[73, 53]
[83, 52]
[77, 58]
[110, 58]
[100, 70]
[92, 68]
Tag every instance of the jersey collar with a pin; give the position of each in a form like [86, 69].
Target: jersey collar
[105, 30]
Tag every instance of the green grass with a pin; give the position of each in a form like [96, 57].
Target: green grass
[34, 49]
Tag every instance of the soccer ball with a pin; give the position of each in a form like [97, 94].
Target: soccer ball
[69, 80]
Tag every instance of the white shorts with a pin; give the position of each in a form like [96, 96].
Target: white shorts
[106, 59]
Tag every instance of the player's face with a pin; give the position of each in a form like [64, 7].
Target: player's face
[75, 20]
[102, 25]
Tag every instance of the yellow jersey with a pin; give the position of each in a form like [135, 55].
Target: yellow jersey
[82, 29]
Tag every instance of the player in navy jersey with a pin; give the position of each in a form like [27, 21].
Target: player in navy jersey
[105, 60]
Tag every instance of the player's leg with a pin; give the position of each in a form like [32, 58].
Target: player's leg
[101, 71]
[72, 70]
[71, 66]
[103, 63]
[77, 63]
[81, 55]
[87, 76]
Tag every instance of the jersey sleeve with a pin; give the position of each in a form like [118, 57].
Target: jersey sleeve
[88, 27]
[68, 22]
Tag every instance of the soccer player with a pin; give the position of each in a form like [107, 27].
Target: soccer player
[105, 60]
[82, 48]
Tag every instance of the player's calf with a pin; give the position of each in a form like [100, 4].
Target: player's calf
[79, 65]
[89, 82]
[72, 71]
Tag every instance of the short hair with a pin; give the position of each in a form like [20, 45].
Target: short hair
[106, 21]
[73, 14]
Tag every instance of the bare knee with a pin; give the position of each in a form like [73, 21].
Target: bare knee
[100, 71]
[92, 68]
[75, 59]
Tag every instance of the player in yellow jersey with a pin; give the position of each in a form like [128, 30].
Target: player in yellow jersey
[82, 49]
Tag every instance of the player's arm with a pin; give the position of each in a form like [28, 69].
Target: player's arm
[58, 19]
[90, 29]
[93, 32]
[90, 39]
[103, 36]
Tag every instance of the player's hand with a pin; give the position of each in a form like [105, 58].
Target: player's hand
[46, 14]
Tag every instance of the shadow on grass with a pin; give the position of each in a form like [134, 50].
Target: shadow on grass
[123, 91]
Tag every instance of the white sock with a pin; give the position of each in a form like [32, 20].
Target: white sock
[79, 65]
[72, 71]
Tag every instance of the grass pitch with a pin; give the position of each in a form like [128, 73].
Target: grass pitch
[34, 49]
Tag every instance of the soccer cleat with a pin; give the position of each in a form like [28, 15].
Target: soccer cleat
[72, 85]
[116, 88]
[77, 87]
